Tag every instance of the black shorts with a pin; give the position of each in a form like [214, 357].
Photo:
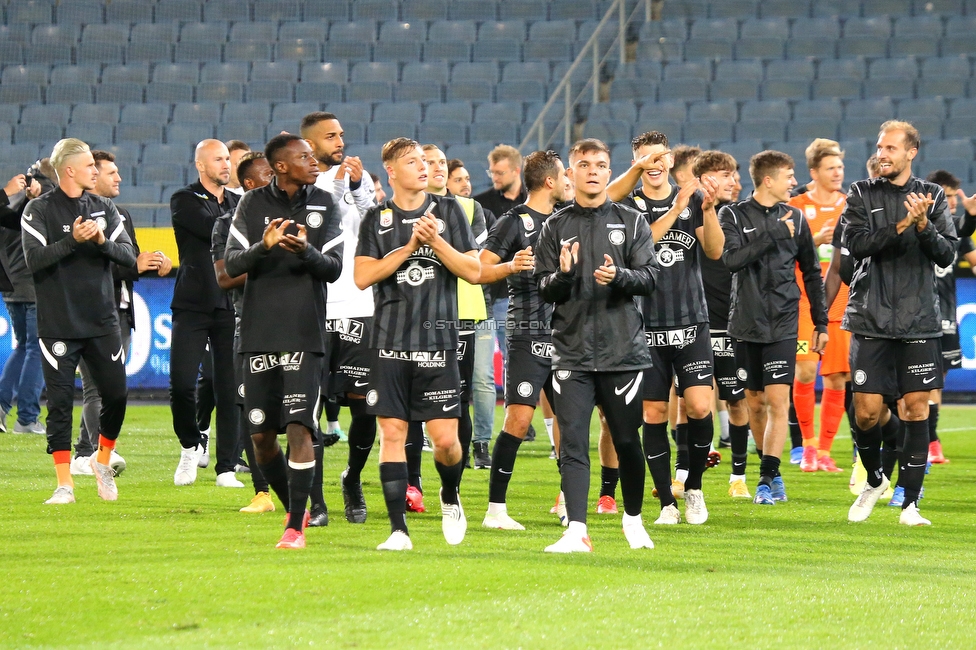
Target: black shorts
[281, 388]
[761, 364]
[951, 352]
[528, 371]
[347, 358]
[723, 361]
[465, 361]
[895, 366]
[681, 355]
[414, 386]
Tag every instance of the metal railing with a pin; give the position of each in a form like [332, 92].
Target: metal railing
[590, 51]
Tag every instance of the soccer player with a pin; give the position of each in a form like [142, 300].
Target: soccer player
[202, 315]
[509, 255]
[107, 186]
[70, 237]
[822, 206]
[946, 279]
[237, 150]
[254, 171]
[298, 249]
[764, 240]
[413, 248]
[349, 310]
[898, 229]
[458, 178]
[592, 259]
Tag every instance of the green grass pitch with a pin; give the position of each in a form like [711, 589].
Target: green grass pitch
[181, 567]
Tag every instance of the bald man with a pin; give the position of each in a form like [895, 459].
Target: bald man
[202, 315]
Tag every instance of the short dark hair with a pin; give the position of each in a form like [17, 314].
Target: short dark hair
[944, 178]
[247, 162]
[396, 148]
[312, 119]
[102, 156]
[537, 167]
[375, 177]
[713, 161]
[453, 165]
[237, 145]
[649, 138]
[589, 145]
[276, 144]
[766, 163]
[684, 154]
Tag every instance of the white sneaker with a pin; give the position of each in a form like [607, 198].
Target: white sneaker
[453, 522]
[571, 542]
[501, 521]
[560, 510]
[635, 533]
[864, 503]
[117, 463]
[398, 541]
[669, 516]
[695, 510]
[911, 517]
[186, 471]
[227, 479]
[105, 478]
[81, 466]
[63, 494]
[204, 450]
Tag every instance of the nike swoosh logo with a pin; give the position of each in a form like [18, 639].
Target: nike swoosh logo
[563, 242]
[621, 391]
[293, 411]
[449, 407]
[775, 376]
[357, 384]
[29, 217]
[922, 465]
[202, 196]
[928, 381]
[117, 355]
[700, 376]
[748, 230]
[737, 391]
[657, 455]
[383, 231]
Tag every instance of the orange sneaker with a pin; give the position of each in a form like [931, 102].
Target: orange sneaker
[607, 505]
[936, 457]
[809, 462]
[415, 500]
[292, 539]
[827, 464]
[305, 519]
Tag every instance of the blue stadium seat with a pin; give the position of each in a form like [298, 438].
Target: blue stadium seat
[102, 53]
[269, 91]
[687, 89]
[250, 112]
[30, 12]
[50, 53]
[806, 129]
[461, 31]
[888, 7]
[564, 30]
[336, 10]
[173, 154]
[724, 29]
[577, 10]
[454, 111]
[633, 90]
[527, 91]
[446, 51]
[244, 131]
[386, 72]
[877, 109]
[286, 71]
[708, 48]
[418, 91]
[497, 50]
[156, 173]
[688, 9]
[472, 91]
[405, 111]
[246, 51]
[626, 111]
[413, 32]
[20, 93]
[938, 7]
[24, 153]
[765, 28]
[839, 88]
[374, 10]
[523, 10]
[827, 28]
[169, 92]
[486, 72]
[219, 91]
[784, 8]
[144, 113]
[348, 50]
[50, 113]
[148, 193]
[506, 30]
[860, 127]
[397, 51]
[438, 72]
[852, 68]
[688, 70]
[196, 51]
[353, 31]
[369, 91]
[298, 50]
[732, 8]
[766, 110]
[958, 167]
[499, 112]
[547, 50]
[660, 50]
[262, 32]
[760, 128]
[55, 34]
[221, 10]
[926, 26]
[820, 108]
[534, 71]
[139, 132]
[294, 112]
[322, 91]
[95, 114]
[307, 30]
[736, 80]
[174, 10]
[676, 30]
[119, 93]
[424, 11]
[351, 111]
[801, 47]
[154, 32]
[379, 133]
[956, 148]
[912, 109]
[335, 72]
[277, 10]
[93, 134]
[33, 74]
[70, 93]
[664, 110]
[705, 132]
[760, 48]
[822, 8]
[176, 73]
[442, 132]
[610, 131]
[235, 72]
[727, 111]
[209, 32]
[473, 10]
[189, 132]
[105, 34]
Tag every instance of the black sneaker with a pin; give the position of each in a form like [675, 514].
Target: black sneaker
[355, 502]
[329, 439]
[530, 434]
[482, 459]
[724, 443]
[320, 516]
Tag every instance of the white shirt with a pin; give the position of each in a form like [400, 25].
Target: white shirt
[345, 299]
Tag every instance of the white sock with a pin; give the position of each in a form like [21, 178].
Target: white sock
[723, 423]
[681, 475]
[548, 422]
[497, 508]
[737, 477]
[577, 528]
[333, 427]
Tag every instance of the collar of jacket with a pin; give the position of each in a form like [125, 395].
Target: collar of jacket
[911, 185]
[206, 195]
[59, 193]
[756, 205]
[599, 210]
[282, 196]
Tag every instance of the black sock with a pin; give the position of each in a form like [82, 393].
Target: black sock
[299, 485]
[758, 452]
[331, 410]
[914, 456]
[362, 435]
[315, 494]
[608, 481]
[869, 449]
[393, 477]
[933, 422]
[257, 476]
[276, 473]
[699, 444]
[796, 437]
[414, 448]
[502, 464]
[657, 452]
[891, 438]
[464, 434]
[681, 458]
[739, 439]
[632, 474]
[768, 469]
[450, 480]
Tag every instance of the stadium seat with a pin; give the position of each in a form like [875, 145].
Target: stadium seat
[527, 91]
[732, 8]
[760, 48]
[174, 154]
[688, 70]
[879, 109]
[102, 53]
[806, 129]
[959, 167]
[822, 8]
[957, 148]
[446, 51]
[424, 11]
[189, 132]
[415, 32]
[708, 48]
[250, 112]
[136, 73]
[473, 10]
[727, 111]
[277, 10]
[610, 131]
[760, 128]
[174, 10]
[30, 12]
[454, 111]
[687, 89]
[626, 111]
[220, 91]
[418, 91]
[497, 50]
[148, 193]
[55, 34]
[20, 93]
[176, 73]
[294, 112]
[523, 10]
[485, 72]
[169, 92]
[105, 34]
[307, 30]
[208, 32]
[533, 71]
[268, 91]
[461, 31]
[497, 131]
[95, 114]
[323, 91]
[190, 112]
[660, 50]
[336, 72]
[298, 50]
[234, 72]
[351, 111]
[705, 132]
[70, 93]
[888, 7]
[820, 108]
[766, 110]
[442, 132]
[383, 72]
[336, 10]
[675, 30]
[664, 110]
[192, 51]
[261, 32]
[504, 30]
[353, 32]
[379, 133]
[561, 30]
[286, 71]
[937, 7]
[547, 50]
[400, 51]
[437, 71]
[119, 93]
[159, 173]
[246, 51]
[50, 53]
[385, 10]
[50, 113]
[220, 10]
[911, 109]
[784, 8]
[778, 27]
[244, 131]
[577, 10]
[499, 111]
[688, 9]
[30, 74]
[143, 132]
[401, 111]
[369, 91]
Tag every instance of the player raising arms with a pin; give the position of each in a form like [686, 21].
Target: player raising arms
[593, 257]
[413, 248]
[764, 240]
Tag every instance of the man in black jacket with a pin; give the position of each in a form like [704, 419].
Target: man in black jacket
[764, 241]
[898, 230]
[202, 313]
[593, 257]
[298, 249]
[70, 239]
